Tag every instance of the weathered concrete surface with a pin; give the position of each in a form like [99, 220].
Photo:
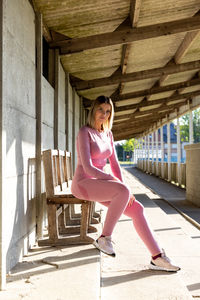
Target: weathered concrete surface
[127, 276]
[19, 127]
[193, 173]
[74, 272]
[56, 274]
[47, 114]
[61, 109]
[189, 252]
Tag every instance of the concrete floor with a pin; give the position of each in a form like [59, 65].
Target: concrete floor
[81, 272]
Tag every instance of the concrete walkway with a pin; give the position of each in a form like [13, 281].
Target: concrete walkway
[80, 272]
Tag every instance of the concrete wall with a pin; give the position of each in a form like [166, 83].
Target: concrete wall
[19, 127]
[18, 203]
[193, 173]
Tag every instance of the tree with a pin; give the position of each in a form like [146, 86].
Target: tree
[130, 145]
[184, 127]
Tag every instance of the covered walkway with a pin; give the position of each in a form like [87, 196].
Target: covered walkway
[56, 57]
[80, 272]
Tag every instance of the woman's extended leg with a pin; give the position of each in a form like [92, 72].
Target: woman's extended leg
[115, 196]
[136, 213]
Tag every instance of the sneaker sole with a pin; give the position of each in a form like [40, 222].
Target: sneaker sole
[96, 245]
[151, 267]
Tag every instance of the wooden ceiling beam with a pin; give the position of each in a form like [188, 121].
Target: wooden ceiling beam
[124, 131]
[135, 124]
[127, 36]
[156, 90]
[134, 16]
[135, 76]
[135, 6]
[147, 103]
[164, 106]
[185, 45]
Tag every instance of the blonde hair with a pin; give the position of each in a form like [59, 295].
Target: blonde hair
[96, 103]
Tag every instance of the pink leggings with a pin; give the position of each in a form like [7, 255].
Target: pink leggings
[115, 196]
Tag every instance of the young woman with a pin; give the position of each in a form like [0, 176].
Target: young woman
[94, 146]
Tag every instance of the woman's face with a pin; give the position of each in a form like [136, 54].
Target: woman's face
[102, 113]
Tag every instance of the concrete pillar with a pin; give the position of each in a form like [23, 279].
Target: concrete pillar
[191, 132]
[193, 173]
[178, 152]
[39, 64]
[162, 152]
[81, 112]
[156, 171]
[57, 59]
[67, 111]
[145, 153]
[148, 146]
[152, 150]
[169, 151]
[2, 159]
[73, 130]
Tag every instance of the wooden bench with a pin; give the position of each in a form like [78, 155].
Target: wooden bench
[58, 179]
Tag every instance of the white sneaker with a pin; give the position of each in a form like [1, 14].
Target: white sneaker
[163, 263]
[104, 244]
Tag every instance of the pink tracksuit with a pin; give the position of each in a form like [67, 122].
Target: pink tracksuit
[90, 182]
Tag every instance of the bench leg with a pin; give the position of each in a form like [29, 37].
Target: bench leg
[52, 222]
[85, 207]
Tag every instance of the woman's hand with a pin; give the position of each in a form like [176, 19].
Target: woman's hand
[131, 200]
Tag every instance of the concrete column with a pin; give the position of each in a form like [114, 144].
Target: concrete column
[56, 98]
[67, 111]
[39, 64]
[148, 146]
[191, 132]
[2, 160]
[193, 173]
[152, 150]
[81, 112]
[162, 152]
[73, 130]
[178, 151]
[169, 151]
[156, 171]
[145, 153]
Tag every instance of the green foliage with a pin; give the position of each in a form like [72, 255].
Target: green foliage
[184, 126]
[130, 145]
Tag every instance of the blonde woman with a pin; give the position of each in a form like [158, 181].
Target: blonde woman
[94, 146]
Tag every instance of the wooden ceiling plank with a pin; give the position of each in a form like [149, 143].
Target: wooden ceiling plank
[127, 36]
[125, 133]
[146, 103]
[157, 90]
[150, 111]
[141, 75]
